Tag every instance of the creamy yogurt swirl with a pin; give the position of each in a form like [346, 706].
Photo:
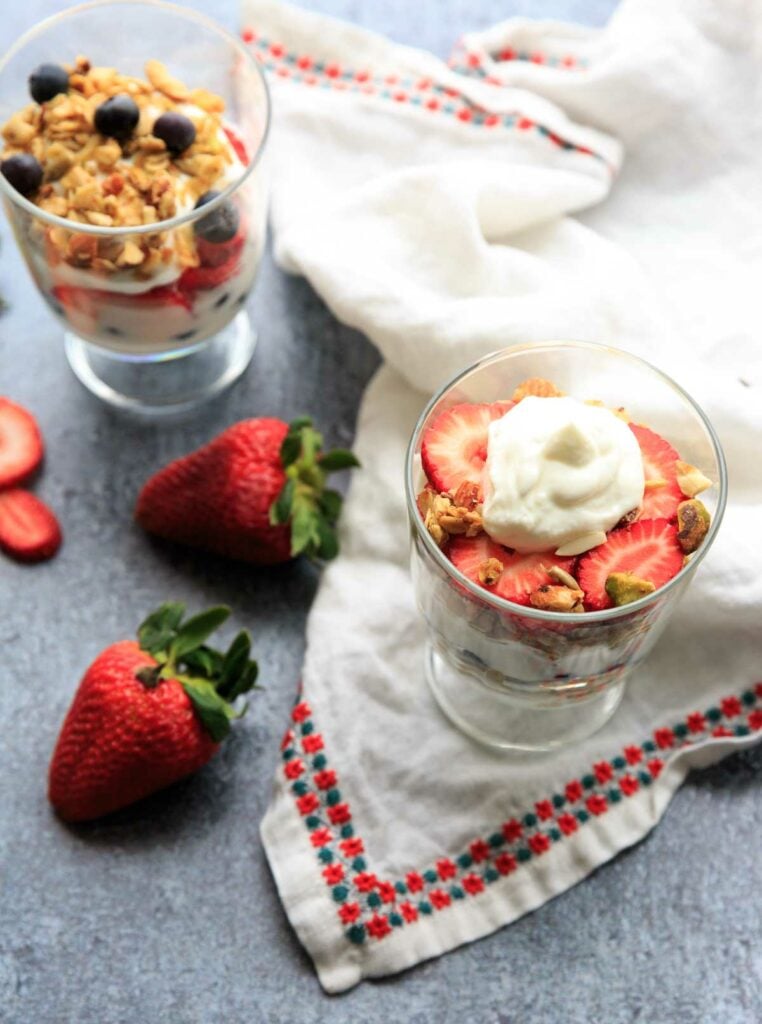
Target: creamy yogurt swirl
[559, 474]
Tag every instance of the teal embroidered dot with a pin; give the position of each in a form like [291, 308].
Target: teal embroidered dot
[619, 763]
[288, 753]
[300, 788]
[582, 816]
[416, 101]
[319, 762]
[424, 907]
[374, 900]
[395, 920]
[318, 66]
[748, 698]
[681, 730]
[714, 714]
[558, 800]
[523, 854]
[307, 728]
[490, 875]
[359, 864]
[465, 860]
[614, 796]
[645, 778]
[588, 781]
[542, 130]
[457, 893]
[430, 876]
[555, 835]
[347, 831]
[313, 821]
[340, 893]
[400, 887]
[530, 820]
[386, 94]
[356, 934]
[496, 839]
[325, 855]
[333, 796]
[649, 746]
[742, 730]
[449, 109]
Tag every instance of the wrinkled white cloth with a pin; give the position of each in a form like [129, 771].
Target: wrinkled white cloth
[447, 211]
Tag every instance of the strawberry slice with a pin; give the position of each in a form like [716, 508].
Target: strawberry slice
[215, 254]
[238, 145]
[521, 574]
[454, 446]
[659, 459]
[28, 529]
[648, 549]
[86, 300]
[199, 278]
[21, 447]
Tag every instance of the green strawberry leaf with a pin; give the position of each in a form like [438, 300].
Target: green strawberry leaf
[330, 503]
[245, 682]
[235, 661]
[328, 546]
[157, 630]
[280, 510]
[339, 458]
[212, 709]
[304, 533]
[195, 631]
[205, 660]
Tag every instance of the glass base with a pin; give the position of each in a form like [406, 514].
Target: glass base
[507, 720]
[164, 383]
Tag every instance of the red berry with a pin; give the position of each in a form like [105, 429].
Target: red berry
[659, 458]
[21, 447]
[454, 446]
[521, 575]
[29, 531]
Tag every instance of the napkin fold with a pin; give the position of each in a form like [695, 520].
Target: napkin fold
[448, 210]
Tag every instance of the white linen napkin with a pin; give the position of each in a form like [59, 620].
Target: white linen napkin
[431, 207]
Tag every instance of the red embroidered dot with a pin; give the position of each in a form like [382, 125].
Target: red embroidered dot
[721, 730]
[366, 881]
[664, 738]
[333, 70]
[326, 779]
[352, 847]
[596, 804]
[473, 884]
[409, 912]
[567, 823]
[492, 80]
[277, 50]
[512, 830]
[369, 90]
[505, 863]
[464, 114]
[308, 803]
[349, 912]
[731, 706]
[633, 755]
[568, 62]
[655, 766]
[474, 60]
[301, 711]
[310, 80]
[387, 892]
[391, 79]
[414, 881]
[400, 97]
[378, 926]
[248, 35]
[432, 104]
[628, 784]
[573, 791]
[339, 814]
[537, 58]
[449, 91]
[446, 869]
[333, 874]
[539, 843]
[283, 72]
[341, 86]
[603, 772]
[479, 850]
[491, 120]
[362, 76]
[544, 809]
[423, 84]
[507, 54]
[304, 62]
[312, 743]
[696, 722]
[523, 123]
[293, 769]
[288, 739]
[755, 719]
[439, 898]
[321, 836]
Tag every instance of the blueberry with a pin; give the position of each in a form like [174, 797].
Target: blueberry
[47, 81]
[221, 224]
[176, 131]
[117, 117]
[23, 172]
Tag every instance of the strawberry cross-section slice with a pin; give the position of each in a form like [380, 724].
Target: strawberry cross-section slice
[662, 497]
[521, 574]
[454, 446]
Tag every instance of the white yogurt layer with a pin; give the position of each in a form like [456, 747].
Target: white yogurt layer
[559, 474]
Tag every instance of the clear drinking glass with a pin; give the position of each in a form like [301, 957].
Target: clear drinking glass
[516, 677]
[158, 344]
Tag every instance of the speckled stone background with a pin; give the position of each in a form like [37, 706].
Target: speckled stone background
[168, 914]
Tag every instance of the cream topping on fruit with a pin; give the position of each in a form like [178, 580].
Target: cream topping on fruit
[559, 471]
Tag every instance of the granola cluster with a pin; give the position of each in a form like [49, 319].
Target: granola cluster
[92, 179]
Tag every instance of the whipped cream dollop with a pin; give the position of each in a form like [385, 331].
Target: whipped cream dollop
[559, 474]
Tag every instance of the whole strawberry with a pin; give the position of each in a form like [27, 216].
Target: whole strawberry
[148, 713]
[256, 493]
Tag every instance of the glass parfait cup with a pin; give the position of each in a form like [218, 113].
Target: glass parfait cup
[149, 340]
[516, 677]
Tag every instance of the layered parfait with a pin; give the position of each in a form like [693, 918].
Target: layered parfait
[558, 503]
[106, 150]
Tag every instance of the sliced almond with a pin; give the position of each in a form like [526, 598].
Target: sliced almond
[690, 480]
[582, 543]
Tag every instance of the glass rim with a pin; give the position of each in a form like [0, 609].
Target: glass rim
[526, 611]
[171, 223]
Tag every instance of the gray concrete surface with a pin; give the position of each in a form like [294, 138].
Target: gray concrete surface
[167, 914]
